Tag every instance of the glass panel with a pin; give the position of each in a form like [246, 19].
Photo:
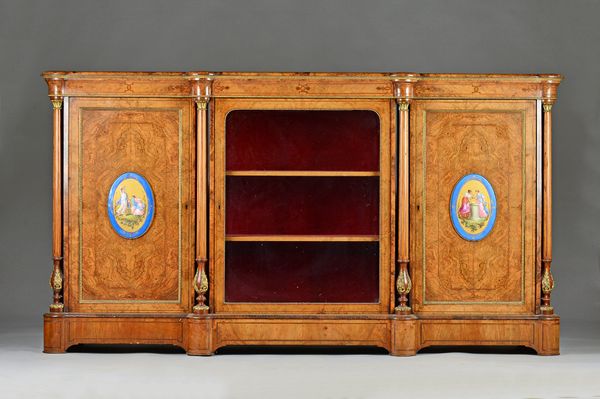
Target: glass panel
[302, 272]
[302, 205]
[302, 140]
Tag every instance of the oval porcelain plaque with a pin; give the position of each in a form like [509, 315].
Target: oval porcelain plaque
[473, 207]
[130, 205]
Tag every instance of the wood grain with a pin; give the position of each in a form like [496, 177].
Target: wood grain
[55, 91]
[303, 84]
[405, 92]
[140, 291]
[202, 88]
[154, 138]
[205, 334]
[547, 281]
[496, 140]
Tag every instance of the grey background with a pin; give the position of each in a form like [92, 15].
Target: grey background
[308, 35]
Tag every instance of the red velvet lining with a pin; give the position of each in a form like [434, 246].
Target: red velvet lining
[302, 272]
[302, 205]
[302, 140]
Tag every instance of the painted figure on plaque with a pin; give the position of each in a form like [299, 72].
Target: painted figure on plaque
[122, 203]
[137, 206]
[465, 207]
[480, 198]
[130, 205]
[473, 207]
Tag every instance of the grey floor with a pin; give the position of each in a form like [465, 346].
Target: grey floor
[157, 372]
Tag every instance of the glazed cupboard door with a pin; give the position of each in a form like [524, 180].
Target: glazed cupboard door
[302, 194]
[129, 217]
[474, 196]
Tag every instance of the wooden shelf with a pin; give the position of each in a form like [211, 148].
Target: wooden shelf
[316, 238]
[312, 173]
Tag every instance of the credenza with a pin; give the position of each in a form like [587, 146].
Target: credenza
[397, 210]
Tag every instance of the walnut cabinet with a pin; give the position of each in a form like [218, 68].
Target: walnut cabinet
[398, 210]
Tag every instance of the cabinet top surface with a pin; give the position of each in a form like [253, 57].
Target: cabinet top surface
[341, 85]
[299, 75]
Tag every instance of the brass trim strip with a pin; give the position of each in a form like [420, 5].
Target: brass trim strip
[303, 238]
[308, 173]
[369, 97]
[312, 97]
[65, 199]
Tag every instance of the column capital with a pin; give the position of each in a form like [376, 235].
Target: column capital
[57, 104]
[201, 88]
[549, 88]
[55, 90]
[404, 87]
[201, 104]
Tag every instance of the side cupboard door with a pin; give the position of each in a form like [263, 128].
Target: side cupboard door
[473, 206]
[129, 217]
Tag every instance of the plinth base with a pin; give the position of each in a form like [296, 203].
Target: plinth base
[203, 334]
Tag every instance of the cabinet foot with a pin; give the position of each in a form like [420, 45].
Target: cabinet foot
[404, 336]
[548, 336]
[198, 331]
[199, 353]
[54, 339]
[403, 353]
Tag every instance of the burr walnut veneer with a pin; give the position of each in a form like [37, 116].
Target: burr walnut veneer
[398, 210]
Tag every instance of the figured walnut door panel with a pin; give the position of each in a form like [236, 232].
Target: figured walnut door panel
[109, 137]
[495, 139]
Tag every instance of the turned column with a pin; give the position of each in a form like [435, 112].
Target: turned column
[403, 91]
[549, 89]
[201, 90]
[55, 92]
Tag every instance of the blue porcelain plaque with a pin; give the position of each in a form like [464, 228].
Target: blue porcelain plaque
[130, 205]
[473, 207]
